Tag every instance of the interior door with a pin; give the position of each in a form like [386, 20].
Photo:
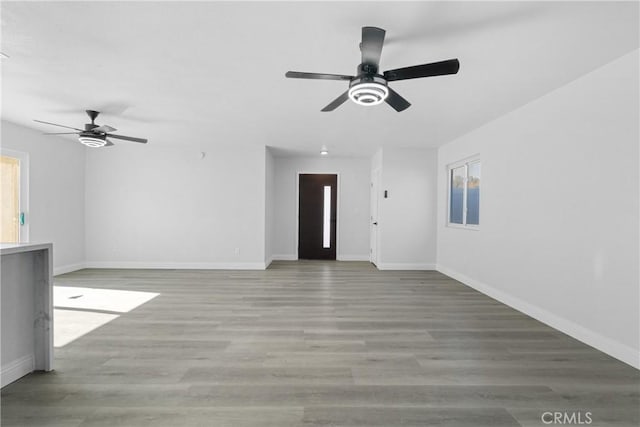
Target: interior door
[373, 223]
[10, 194]
[317, 212]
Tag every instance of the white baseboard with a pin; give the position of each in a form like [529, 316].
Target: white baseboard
[285, 257]
[339, 257]
[348, 257]
[16, 369]
[68, 268]
[620, 351]
[405, 266]
[178, 265]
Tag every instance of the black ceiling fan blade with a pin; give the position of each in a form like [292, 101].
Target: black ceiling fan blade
[316, 76]
[109, 144]
[396, 101]
[371, 46]
[127, 138]
[61, 133]
[450, 66]
[55, 124]
[337, 102]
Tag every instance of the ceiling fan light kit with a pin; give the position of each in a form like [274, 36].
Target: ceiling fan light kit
[93, 141]
[368, 91]
[370, 88]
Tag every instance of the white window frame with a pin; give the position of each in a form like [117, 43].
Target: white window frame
[461, 163]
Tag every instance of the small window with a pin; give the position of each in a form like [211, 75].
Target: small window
[464, 194]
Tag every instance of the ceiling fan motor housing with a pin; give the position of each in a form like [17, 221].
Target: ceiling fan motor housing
[368, 89]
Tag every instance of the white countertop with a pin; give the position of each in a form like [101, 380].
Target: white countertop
[15, 248]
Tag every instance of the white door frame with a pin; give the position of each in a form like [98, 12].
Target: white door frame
[374, 216]
[23, 158]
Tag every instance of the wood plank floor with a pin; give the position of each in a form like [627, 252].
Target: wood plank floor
[317, 344]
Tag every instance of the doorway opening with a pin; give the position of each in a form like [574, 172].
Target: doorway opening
[317, 213]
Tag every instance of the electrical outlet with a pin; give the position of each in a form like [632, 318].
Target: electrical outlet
[237, 251]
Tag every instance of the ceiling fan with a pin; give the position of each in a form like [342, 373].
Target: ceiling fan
[369, 87]
[93, 135]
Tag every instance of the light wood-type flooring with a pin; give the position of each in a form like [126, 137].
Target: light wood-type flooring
[318, 344]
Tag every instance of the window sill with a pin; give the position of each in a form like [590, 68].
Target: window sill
[464, 227]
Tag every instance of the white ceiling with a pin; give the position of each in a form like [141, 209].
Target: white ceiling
[200, 74]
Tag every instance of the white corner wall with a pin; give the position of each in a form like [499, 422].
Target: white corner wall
[353, 204]
[407, 217]
[56, 192]
[155, 207]
[269, 217]
[559, 212]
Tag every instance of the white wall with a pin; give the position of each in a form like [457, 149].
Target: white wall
[353, 204]
[154, 207]
[19, 277]
[56, 192]
[407, 217]
[559, 210]
[269, 218]
[376, 160]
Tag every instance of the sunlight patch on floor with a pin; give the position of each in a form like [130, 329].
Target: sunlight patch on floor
[99, 299]
[70, 325]
[78, 311]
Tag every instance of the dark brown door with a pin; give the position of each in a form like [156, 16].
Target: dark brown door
[317, 216]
